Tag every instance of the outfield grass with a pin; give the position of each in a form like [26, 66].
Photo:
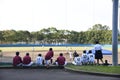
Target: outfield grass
[45, 48]
[40, 48]
[95, 68]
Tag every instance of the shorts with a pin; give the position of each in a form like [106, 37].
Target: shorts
[98, 54]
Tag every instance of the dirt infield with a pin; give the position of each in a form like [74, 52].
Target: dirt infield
[8, 56]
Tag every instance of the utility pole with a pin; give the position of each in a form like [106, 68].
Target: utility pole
[115, 33]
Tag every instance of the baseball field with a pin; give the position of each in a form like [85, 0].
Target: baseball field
[9, 52]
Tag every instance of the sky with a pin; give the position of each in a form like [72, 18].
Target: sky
[34, 15]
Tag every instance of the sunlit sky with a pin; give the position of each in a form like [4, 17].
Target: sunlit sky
[34, 15]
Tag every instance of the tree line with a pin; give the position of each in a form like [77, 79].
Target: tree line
[54, 36]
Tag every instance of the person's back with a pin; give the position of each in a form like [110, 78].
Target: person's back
[77, 60]
[91, 57]
[27, 60]
[98, 47]
[61, 60]
[48, 57]
[17, 61]
[84, 58]
[39, 60]
[49, 54]
[98, 52]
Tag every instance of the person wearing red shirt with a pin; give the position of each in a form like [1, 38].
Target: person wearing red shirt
[49, 56]
[17, 61]
[27, 60]
[61, 61]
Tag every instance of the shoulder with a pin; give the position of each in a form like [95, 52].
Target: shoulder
[63, 57]
[99, 44]
[58, 57]
[41, 57]
[19, 57]
[78, 57]
[95, 45]
[14, 57]
[38, 57]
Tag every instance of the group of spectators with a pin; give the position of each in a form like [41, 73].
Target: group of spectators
[17, 60]
[60, 61]
[87, 58]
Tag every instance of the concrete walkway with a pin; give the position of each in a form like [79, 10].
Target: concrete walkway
[47, 74]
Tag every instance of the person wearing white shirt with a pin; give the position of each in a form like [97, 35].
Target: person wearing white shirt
[39, 60]
[98, 52]
[77, 60]
[70, 55]
[84, 58]
[91, 57]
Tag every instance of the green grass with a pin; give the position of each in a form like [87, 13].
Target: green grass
[95, 68]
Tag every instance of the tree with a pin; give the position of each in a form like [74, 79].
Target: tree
[82, 37]
[9, 36]
[53, 36]
[23, 36]
[1, 37]
[73, 38]
[99, 27]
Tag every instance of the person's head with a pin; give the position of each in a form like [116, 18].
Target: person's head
[75, 51]
[39, 55]
[17, 53]
[50, 49]
[84, 51]
[27, 54]
[61, 54]
[97, 42]
[77, 55]
[90, 51]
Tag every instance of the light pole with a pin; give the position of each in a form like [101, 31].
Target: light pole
[119, 18]
[115, 33]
